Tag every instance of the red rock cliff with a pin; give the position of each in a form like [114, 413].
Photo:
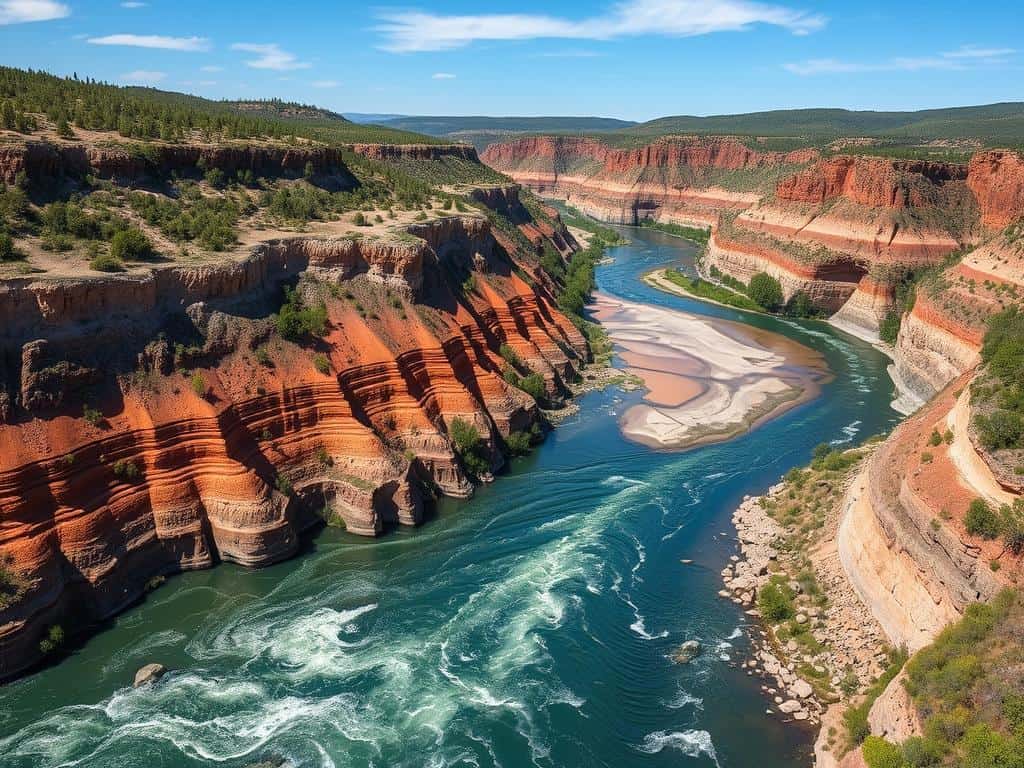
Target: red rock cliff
[233, 458]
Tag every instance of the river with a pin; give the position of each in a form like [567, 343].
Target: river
[531, 625]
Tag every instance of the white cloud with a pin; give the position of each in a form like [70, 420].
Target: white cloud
[325, 83]
[966, 57]
[569, 54]
[133, 5]
[155, 41]
[974, 52]
[143, 77]
[211, 68]
[407, 31]
[21, 11]
[442, 76]
[271, 57]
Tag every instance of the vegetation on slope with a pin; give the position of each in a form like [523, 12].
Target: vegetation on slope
[1001, 124]
[968, 688]
[147, 113]
[999, 394]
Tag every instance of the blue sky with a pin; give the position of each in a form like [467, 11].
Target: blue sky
[634, 59]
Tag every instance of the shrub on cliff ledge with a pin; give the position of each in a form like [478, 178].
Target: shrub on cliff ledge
[469, 446]
[879, 753]
[981, 520]
[7, 251]
[296, 320]
[766, 291]
[130, 245]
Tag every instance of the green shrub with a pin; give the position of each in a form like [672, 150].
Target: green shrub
[879, 753]
[935, 438]
[126, 470]
[322, 364]
[198, 384]
[519, 443]
[533, 385]
[983, 747]
[263, 357]
[889, 328]
[766, 291]
[1000, 429]
[1011, 525]
[981, 520]
[283, 484]
[468, 446]
[510, 356]
[106, 262]
[130, 245]
[53, 640]
[91, 416]
[215, 178]
[923, 752]
[295, 320]
[775, 601]
[7, 250]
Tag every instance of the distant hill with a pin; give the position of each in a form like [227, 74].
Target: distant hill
[285, 109]
[371, 117]
[148, 113]
[990, 124]
[481, 131]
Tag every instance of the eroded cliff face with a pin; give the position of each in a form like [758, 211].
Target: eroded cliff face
[679, 179]
[126, 162]
[844, 230]
[158, 424]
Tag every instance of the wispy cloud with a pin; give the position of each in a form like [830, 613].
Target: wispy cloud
[155, 41]
[442, 76]
[407, 31]
[271, 56]
[211, 68]
[974, 52]
[325, 83]
[143, 77]
[21, 11]
[569, 54]
[133, 4]
[965, 57]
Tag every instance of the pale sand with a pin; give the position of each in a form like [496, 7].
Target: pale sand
[708, 380]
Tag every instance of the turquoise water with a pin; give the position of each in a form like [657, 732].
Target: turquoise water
[528, 626]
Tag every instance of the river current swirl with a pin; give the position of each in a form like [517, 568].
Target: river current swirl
[532, 625]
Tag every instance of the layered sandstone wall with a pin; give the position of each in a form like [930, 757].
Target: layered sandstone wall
[214, 439]
[846, 230]
[685, 180]
[127, 162]
[915, 572]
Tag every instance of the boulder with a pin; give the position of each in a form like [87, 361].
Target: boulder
[150, 673]
[801, 689]
[686, 652]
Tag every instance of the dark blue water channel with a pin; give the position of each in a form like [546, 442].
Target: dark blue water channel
[531, 625]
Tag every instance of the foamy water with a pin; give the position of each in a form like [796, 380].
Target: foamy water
[533, 625]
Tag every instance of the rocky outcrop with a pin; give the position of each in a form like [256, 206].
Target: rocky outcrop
[164, 425]
[915, 574]
[873, 182]
[996, 177]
